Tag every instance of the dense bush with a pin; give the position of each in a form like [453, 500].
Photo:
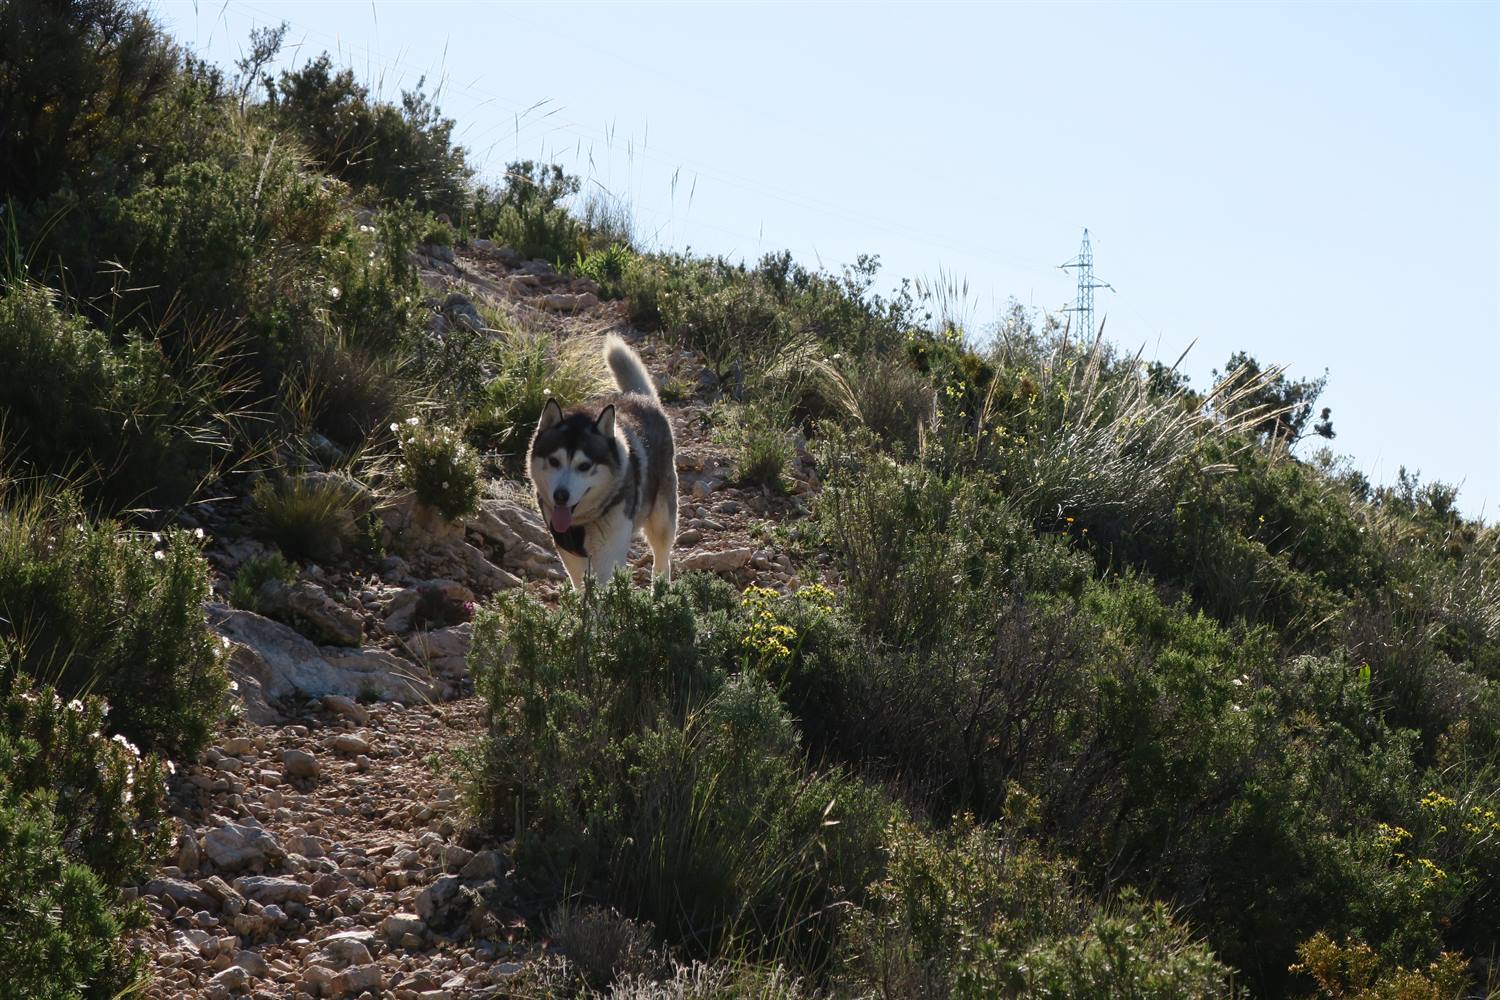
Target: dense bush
[970, 914]
[80, 815]
[131, 424]
[402, 153]
[92, 608]
[529, 213]
[624, 757]
[439, 466]
[307, 516]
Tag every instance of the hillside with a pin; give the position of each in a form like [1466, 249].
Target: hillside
[993, 666]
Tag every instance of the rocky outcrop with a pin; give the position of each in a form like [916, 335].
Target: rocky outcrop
[436, 547]
[270, 662]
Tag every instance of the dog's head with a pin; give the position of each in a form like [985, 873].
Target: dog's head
[574, 462]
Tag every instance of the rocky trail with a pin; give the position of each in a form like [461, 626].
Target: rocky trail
[325, 851]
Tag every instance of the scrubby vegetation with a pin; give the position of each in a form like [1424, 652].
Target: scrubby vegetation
[1109, 692]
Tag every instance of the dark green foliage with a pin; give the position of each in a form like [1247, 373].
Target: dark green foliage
[254, 573]
[763, 326]
[763, 450]
[99, 610]
[525, 371]
[607, 267]
[1288, 403]
[80, 815]
[133, 424]
[403, 153]
[307, 517]
[76, 76]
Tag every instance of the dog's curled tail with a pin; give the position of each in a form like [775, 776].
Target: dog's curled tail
[630, 374]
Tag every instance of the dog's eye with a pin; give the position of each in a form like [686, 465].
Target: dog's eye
[554, 463]
[586, 466]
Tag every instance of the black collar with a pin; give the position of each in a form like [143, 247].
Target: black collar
[570, 540]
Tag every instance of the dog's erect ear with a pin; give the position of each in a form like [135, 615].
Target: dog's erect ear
[606, 423]
[551, 414]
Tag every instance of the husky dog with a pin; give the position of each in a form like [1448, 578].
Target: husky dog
[605, 471]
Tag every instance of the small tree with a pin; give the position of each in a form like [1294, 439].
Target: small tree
[1288, 403]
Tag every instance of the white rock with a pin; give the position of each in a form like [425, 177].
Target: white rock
[349, 743]
[269, 889]
[398, 925]
[722, 561]
[238, 845]
[233, 978]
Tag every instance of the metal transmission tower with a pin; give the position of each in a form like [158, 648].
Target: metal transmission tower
[1084, 306]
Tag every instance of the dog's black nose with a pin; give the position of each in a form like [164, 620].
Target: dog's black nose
[559, 495]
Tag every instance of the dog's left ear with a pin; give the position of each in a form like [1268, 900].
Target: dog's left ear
[606, 423]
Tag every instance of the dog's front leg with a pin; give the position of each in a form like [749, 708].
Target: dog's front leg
[576, 565]
[614, 552]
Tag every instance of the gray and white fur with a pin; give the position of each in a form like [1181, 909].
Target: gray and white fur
[606, 470]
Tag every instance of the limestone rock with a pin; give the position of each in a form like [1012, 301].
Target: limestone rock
[349, 708]
[566, 303]
[271, 889]
[442, 903]
[234, 846]
[722, 561]
[308, 607]
[271, 661]
[180, 893]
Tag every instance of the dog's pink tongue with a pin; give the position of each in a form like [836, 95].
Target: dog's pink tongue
[562, 518]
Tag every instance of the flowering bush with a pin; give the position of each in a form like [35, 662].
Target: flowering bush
[80, 814]
[95, 608]
[439, 466]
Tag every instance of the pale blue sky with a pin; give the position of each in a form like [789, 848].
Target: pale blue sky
[1316, 184]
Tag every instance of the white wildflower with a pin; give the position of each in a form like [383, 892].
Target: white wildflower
[118, 738]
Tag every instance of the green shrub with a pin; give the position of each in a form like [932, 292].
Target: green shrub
[308, 517]
[253, 573]
[968, 914]
[80, 815]
[607, 267]
[624, 757]
[1138, 951]
[763, 451]
[403, 153]
[438, 233]
[529, 214]
[439, 467]
[95, 609]
[133, 425]
[891, 398]
[723, 311]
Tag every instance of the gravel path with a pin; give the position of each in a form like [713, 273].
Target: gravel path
[326, 854]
